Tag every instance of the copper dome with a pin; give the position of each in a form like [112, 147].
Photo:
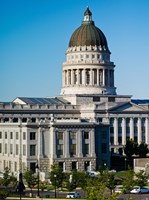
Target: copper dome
[88, 34]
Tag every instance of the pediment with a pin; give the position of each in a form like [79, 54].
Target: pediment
[128, 107]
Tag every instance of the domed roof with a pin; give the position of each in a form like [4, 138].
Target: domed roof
[88, 34]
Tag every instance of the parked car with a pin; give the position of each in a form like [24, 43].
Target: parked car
[138, 189]
[73, 195]
[118, 189]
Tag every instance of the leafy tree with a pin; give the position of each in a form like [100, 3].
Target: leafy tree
[76, 179]
[56, 175]
[130, 148]
[3, 195]
[142, 150]
[128, 180]
[141, 178]
[8, 178]
[109, 179]
[30, 178]
[96, 190]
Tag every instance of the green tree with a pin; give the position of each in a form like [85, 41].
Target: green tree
[96, 190]
[76, 179]
[141, 178]
[128, 180]
[56, 175]
[109, 179]
[130, 148]
[30, 178]
[142, 150]
[8, 178]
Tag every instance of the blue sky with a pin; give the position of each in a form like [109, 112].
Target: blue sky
[34, 36]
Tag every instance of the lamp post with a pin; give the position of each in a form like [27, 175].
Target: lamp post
[125, 162]
[37, 168]
[55, 183]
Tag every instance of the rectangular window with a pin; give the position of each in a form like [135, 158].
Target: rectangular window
[60, 135]
[5, 135]
[111, 129]
[86, 135]
[15, 166]
[32, 150]
[11, 148]
[96, 99]
[17, 135]
[0, 135]
[24, 150]
[24, 135]
[72, 135]
[59, 150]
[5, 148]
[104, 148]
[17, 149]
[0, 147]
[111, 99]
[112, 140]
[11, 135]
[73, 149]
[32, 135]
[86, 149]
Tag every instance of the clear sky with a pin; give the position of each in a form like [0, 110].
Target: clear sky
[34, 36]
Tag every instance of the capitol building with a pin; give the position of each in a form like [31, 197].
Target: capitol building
[83, 126]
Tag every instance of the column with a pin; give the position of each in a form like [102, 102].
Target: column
[103, 80]
[97, 76]
[72, 77]
[147, 131]
[139, 131]
[52, 143]
[131, 128]
[78, 77]
[123, 131]
[115, 131]
[39, 147]
[92, 143]
[66, 144]
[79, 144]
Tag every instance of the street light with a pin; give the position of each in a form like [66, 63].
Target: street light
[37, 168]
[55, 183]
[125, 162]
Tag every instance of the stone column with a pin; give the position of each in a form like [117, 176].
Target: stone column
[72, 77]
[97, 76]
[91, 77]
[63, 79]
[79, 144]
[66, 144]
[139, 131]
[123, 131]
[40, 138]
[131, 128]
[103, 74]
[92, 143]
[147, 130]
[115, 131]
[52, 142]
[78, 77]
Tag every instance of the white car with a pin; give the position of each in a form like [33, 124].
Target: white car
[73, 195]
[138, 189]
